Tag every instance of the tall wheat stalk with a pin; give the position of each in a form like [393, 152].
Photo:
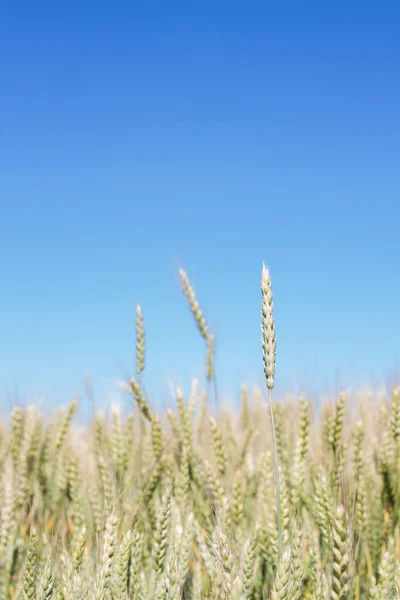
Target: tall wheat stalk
[269, 354]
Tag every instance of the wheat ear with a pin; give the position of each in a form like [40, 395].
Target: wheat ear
[140, 343]
[208, 337]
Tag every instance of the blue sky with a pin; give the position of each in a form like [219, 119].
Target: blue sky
[136, 137]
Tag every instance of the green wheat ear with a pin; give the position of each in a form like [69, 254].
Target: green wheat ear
[29, 585]
[283, 578]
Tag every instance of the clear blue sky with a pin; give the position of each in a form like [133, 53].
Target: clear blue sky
[135, 137]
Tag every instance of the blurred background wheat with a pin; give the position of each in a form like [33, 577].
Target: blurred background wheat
[183, 504]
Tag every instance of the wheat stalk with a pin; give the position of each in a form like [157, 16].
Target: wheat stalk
[269, 354]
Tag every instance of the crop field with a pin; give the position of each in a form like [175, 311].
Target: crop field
[275, 500]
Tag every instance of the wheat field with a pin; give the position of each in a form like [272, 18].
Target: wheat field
[277, 500]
